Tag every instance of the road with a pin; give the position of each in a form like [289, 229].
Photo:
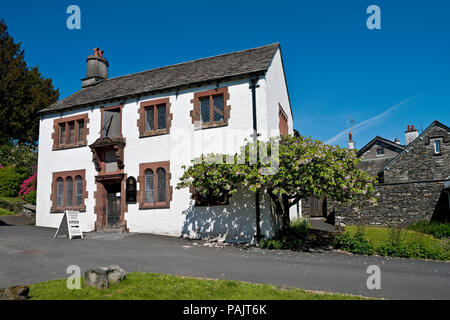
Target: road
[29, 254]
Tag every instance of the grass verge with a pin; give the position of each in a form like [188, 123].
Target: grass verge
[151, 286]
[4, 212]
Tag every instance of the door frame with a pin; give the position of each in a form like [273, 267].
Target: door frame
[100, 197]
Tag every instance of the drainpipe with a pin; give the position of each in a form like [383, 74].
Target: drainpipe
[253, 85]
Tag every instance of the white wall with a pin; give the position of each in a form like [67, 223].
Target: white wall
[232, 222]
[277, 93]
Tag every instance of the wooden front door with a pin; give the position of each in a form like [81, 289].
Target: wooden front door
[113, 205]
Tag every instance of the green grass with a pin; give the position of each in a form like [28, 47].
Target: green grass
[151, 286]
[378, 235]
[4, 212]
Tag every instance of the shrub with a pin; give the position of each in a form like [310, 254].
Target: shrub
[292, 239]
[12, 204]
[356, 244]
[436, 229]
[30, 197]
[10, 180]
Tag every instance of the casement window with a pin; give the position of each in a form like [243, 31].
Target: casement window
[154, 183]
[112, 122]
[283, 121]
[154, 117]
[70, 132]
[68, 191]
[208, 201]
[210, 108]
[437, 146]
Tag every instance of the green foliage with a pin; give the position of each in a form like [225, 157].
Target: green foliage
[356, 243]
[23, 92]
[291, 239]
[19, 155]
[30, 197]
[10, 180]
[436, 229]
[12, 204]
[4, 212]
[396, 242]
[299, 168]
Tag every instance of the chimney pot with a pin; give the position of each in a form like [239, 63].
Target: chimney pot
[411, 134]
[97, 69]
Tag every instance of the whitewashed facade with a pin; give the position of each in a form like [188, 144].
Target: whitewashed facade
[234, 221]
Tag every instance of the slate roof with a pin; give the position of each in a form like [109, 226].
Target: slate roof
[420, 137]
[226, 66]
[392, 144]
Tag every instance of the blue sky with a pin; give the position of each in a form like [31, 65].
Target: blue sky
[335, 66]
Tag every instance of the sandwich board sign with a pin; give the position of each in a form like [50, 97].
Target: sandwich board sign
[70, 225]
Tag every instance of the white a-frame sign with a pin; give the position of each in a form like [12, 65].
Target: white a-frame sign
[70, 225]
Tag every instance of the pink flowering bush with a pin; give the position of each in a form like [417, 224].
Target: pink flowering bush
[28, 189]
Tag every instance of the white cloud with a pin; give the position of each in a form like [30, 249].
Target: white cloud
[367, 122]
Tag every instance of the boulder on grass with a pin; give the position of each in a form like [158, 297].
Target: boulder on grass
[100, 278]
[15, 293]
[97, 278]
[115, 274]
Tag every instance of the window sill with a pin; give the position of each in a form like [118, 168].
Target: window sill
[210, 125]
[158, 205]
[154, 133]
[437, 154]
[62, 209]
[69, 146]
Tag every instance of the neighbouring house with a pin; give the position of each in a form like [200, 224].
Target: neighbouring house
[115, 149]
[413, 180]
[374, 156]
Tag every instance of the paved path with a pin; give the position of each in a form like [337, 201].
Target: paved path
[29, 254]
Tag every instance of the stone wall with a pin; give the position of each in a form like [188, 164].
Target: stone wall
[413, 186]
[397, 204]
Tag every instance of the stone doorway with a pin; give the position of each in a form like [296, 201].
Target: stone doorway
[110, 206]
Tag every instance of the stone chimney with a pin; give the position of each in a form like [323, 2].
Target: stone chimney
[97, 69]
[351, 144]
[411, 134]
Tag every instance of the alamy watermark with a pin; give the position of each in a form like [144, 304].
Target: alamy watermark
[74, 279]
[73, 22]
[374, 280]
[374, 20]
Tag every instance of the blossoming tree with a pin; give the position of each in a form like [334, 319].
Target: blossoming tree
[296, 169]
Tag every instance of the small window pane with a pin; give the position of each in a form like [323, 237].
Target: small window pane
[59, 192]
[62, 133]
[80, 137]
[205, 109]
[149, 119]
[161, 116]
[218, 108]
[437, 146]
[161, 185]
[78, 191]
[71, 137]
[69, 194]
[149, 186]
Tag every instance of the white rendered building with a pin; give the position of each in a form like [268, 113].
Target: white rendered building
[136, 131]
